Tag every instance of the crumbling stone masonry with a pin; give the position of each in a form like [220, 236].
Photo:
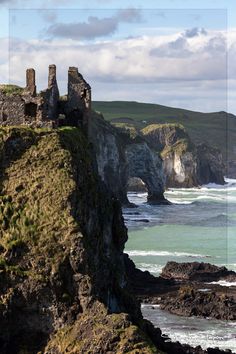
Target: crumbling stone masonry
[23, 106]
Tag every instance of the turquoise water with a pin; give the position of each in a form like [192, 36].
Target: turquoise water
[192, 330]
[200, 226]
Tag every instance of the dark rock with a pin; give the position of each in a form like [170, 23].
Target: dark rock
[141, 220]
[185, 298]
[196, 271]
[189, 301]
[185, 164]
[135, 184]
[210, 166]
[120, 157]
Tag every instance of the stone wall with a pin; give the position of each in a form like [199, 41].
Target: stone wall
[78, 107]
[24, 106]
[12, 110]
[50, 96]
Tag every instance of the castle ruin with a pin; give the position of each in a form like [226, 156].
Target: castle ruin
[46, 109]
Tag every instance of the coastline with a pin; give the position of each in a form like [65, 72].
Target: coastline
[161, 296]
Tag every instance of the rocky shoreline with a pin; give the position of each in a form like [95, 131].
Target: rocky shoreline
[187, 289]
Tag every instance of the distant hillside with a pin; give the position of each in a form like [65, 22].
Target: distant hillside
[218, 129]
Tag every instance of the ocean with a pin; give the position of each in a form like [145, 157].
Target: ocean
[200, 226]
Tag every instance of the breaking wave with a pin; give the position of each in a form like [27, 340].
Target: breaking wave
[135, 253]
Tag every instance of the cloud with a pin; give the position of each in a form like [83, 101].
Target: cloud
[94, 27]
[194, 32]
[191, 43]
[140, 59]
[177, 71]
[217, 44]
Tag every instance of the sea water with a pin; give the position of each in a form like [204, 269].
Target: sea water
[200, 226]
[193, 330]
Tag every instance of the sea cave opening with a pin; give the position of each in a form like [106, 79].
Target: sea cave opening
[136, 189]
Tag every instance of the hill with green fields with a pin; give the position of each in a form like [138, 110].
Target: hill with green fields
[217, 129]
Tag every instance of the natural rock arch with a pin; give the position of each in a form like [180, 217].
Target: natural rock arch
[119, 157]
[145, 164]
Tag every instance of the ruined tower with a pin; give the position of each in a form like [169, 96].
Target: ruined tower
[52, 94]
[25, 106]
[30, 81]
[79, 98]
[52, 72]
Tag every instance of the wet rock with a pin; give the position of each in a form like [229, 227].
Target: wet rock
[189, 301]
[196, 271]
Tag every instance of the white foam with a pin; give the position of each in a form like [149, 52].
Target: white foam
[224, 283]
[142, 253]
[152, 268]
[143, 305]
[177, 201]
[192, 330]
[142, 195]
[230, 266]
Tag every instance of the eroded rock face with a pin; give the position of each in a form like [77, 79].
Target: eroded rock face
[185, 164]
[147, 165]
[210, 166]
[180, 166]
[110, 156]
[120, 157]
[61, 241]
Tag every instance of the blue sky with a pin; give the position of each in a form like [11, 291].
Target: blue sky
[173, 52]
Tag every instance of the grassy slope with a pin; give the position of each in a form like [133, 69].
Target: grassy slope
[211, 128]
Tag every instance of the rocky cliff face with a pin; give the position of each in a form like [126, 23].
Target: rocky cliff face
[185, 164]
[63, 286]
[62, 280]
[121, 156]
[147, 165]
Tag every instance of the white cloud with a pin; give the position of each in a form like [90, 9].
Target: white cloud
[184, 71]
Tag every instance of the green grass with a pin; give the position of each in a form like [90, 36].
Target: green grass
[11, 89]
[36, 187]
[217, 128]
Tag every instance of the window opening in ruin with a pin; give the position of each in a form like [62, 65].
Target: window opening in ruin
[31, 109]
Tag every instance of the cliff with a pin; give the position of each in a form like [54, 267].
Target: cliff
[62, 236]
[123, 154]
[63, 285]
[217, 129]
[185, 164]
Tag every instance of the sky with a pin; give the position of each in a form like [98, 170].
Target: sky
[178, 53]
